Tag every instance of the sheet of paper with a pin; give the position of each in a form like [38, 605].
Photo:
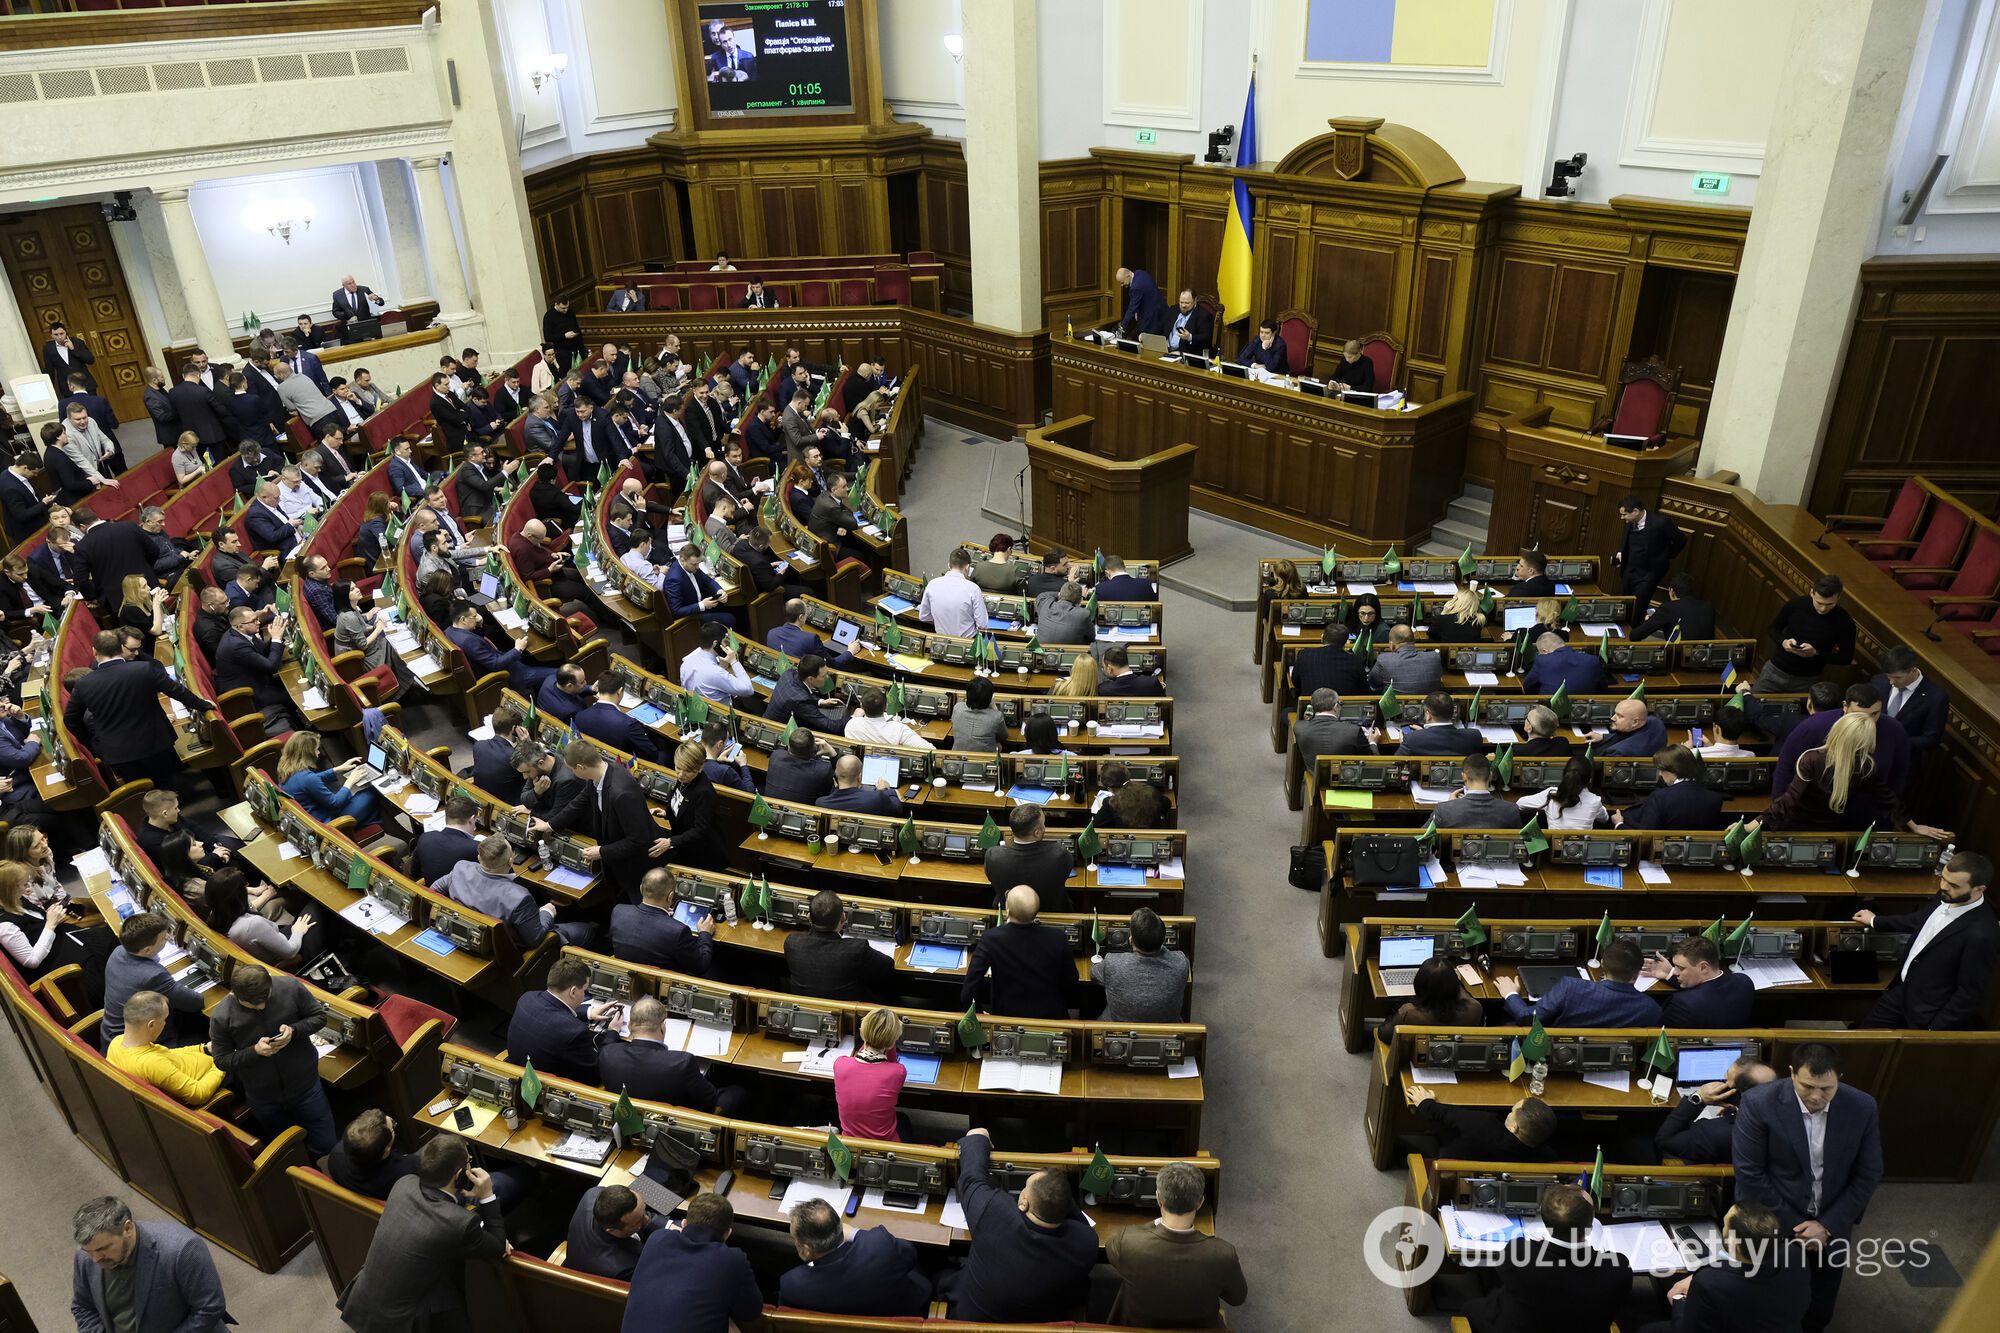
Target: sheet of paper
[1432, 1076]
[567, 878]
[1291, 631]
[423, 664]
[1435, 869]
[170, 953]
[1342, 798]
[887, 948]
[1485, 678]
[905, 662]
[676, 1034]
[1599, 631]
[1476, 877]
[481, 733]
[875, 1199]
[1187, 1068]
[952, 1213]
[482, 1113]
[421, 804]
[313, 698]
[1642, 982]
[1359, 589]
[1507, 876]
[936, 957]
[287, 852]
[1765, 973]
[369, 914]
[820, 1055]
[1646, 1245]
[1423, 795]
[1172, 868]
[1440, 589]
[1498, 734]
[1605, 877]
[1612, 1080]
[1467, 1230]
[1652, 872]
[706, 1040]
[1471, 975]
[91, 861]
[802, 1190]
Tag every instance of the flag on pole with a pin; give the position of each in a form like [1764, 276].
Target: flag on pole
[626, 1122]
[989, 835]
[531, 1085]
[1596, 1182]
[1531, 837]
[840, 1155]
[1232, 269]
[1467, 562]
[1732, 945]
[1329, 561]
[1098, 1175]
[1468, 926]
[1392, 564]
[1604, 934]
[971, 1032]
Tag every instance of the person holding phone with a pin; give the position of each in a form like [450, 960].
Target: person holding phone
[433, 1224]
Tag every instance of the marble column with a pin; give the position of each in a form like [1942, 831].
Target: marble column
[209, 324]
[166, 282]
[1002, 161]
[1841, 79]
[19, 355]
[412, 279]
[440, 242]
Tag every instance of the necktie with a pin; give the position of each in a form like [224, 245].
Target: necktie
[1896, 701]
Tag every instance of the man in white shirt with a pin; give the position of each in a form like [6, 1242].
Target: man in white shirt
[873, 724]
[952, 602]
[295, 498]
[713, 671]
[1942, 984]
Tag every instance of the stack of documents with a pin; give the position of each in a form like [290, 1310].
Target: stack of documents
[997, 1073]
[1765, 973]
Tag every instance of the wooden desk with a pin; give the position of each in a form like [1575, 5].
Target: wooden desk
[1314, 469]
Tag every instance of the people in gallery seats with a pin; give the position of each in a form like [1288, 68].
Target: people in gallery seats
[1942, 982]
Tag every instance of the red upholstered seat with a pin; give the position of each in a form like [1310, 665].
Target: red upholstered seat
[702, 296]
[1298, 329]
[663, 296]
[856, 291]
[1639, 410]
[1937, 549]
[1382, 351]
[892, 284]
[923, 257]
[816, 293]
[1887, 538]
[402, 1016]
[1977, 580]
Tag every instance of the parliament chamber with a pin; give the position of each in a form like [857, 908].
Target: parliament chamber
[627, 695]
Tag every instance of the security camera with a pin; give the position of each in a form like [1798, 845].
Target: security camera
[120, 208]
[1218, 144]
[1566, 170]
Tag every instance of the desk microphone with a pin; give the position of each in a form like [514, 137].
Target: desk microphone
[1819, 542]
[1929, 630]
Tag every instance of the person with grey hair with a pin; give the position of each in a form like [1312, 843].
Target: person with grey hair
[1061, 617]
[169, 554]
[1327, 732]
[1175, 1275]
[145, 1277]
[871, 1272]
[552, 797]
[1542, 742]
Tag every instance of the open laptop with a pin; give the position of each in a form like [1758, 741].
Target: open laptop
[1703, 1064]
[1153, 344]
[1538, 979]
[1398, 960]
[488, 589]
[373, 767]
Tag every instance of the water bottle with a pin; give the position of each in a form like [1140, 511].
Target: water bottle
[729, 912]
[544, 855]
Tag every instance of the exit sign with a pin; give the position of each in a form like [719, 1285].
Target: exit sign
[1710, 182]
[1147, 136]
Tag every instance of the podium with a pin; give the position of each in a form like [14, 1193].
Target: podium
[1561, 487]
[1082, 501]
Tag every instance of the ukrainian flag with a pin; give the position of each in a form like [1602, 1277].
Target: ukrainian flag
[1232, 271]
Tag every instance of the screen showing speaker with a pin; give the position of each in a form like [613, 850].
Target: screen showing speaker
[776, 58]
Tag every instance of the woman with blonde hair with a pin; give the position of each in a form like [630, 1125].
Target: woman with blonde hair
[189, 465]
[695, 841]
[29, 846]
[142, 607]
[867, 1083]
[869, 416]
[1840, 785]
[1459, 620]
[1081, 683]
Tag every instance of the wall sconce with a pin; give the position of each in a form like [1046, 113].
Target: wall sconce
[954, 46]
[548, 69]
[282, 219]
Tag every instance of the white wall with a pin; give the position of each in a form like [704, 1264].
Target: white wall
[920, 80]
[1952, 106]
[280, 280]
[618, 90]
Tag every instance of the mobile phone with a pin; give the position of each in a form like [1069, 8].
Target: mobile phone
[853, 1202]
[900, 1199]
[723, 1182]
[777, 1190]
[462, 1118]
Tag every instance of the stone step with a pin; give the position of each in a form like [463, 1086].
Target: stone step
[1477, 492]
[1455, 534]
[1437, 549]
[1472, 513]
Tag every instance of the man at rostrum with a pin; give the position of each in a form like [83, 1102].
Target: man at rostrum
[832, 966]
[433, 1224]
[1032, 859]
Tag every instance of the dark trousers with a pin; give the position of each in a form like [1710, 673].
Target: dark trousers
[162, 769]
[310, 1111]
[1825, 1291]
[1638, 584]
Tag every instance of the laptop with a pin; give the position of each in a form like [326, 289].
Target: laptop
[880, 768]
[845, 633]
[1153, 344]
[1398, 960]
[488, 589]
[1539, 979]
[1518, 618]
[1704, 1064]
[373, 766]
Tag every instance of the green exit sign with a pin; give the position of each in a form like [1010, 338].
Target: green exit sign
[1710, 182]
[1147, 136]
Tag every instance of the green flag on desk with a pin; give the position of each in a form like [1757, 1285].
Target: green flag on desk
[1531, 837]
[989, 834]
[1365, 645]
[840, 1155]
[1861, 844]
[1469, 926]
[1559, 701]
[1503, 768]
[1753, 844]
[1392, 564]
[1488, 604]
[1427, 835]
[1714, 932]
[1416, 609]
[1472, 709]
[907, 841]
[971, 1032]
[625, 1117]
[895, 698]
[1329, 561]
[1467, 562]
[1572, 611]
[1536, 1045]
[49, 625]
[1732, 945]
[1604, 648]
[1098, 1175]
[1390, 705]
[531, 1085]
[1596, 1183]
[791, 729]
[1638, 691]
[1088, 843]
[760, 811]
[359, 874]
[1604, 934]
[892, 636]
[1090, 606]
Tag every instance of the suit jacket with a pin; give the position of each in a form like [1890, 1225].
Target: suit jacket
[1200, 335]
[1015, 1271]
[1693, 617]
[862, 800]
[1722, 1003]
[686, 591]
[872, 1272]
[1696, 1140]
[114, 549]
[1576, 1003]
[1439, 740]
[1132, 683]
[175, 1288]
[1414, 672]
[1683, 805]
[791, 700]
[654, 1073]
[1145, 308]
[554, 1036]
[475, 487]
[688, 1278]
[625, 830]
[788, 779]
[243, 662]
[493, 769]
[829, 516]
[1126, 588]
[1043, 866]
[116, 707]
[1328, 733]
[197, 409]
[81, 359]
[1479, 810]
[838, 967]
[623, 301]
[438, 850]
[269, 530]
[72, 484]
[22, 506]
[606, 721]
[591, 1251]
[416, 1263]
[406, 479]
[1467, 1134]
[1273, 358]
[348, 306]
[1545, 1289]
[1946, 985]
[642, 933]
[1648, 553]
[764, 300]
[1033, 972]
[1723, 1298]
[51, 574]
[1924, 712]
[1333, 669]
[1581, 672]
[1774, 1163]
[1646, 740]
[706, 427]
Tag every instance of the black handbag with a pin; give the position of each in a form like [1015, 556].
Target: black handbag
[1308, 870]
[1385, 859]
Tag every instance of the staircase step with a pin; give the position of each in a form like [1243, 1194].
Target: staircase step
[1457, 534]
[1437, 549]
[1472, 513]
[1477, 492]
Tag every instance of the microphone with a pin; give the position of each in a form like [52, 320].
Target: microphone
[1930, 628]
[1819, 542]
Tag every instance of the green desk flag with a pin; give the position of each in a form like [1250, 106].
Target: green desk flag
[1559, 701]
[625, 1117]
[1329, 561]
[1427, 835]
[1572, 611]
[1861, 846]
[1714, 933]
[791, 730]
[895, 698]
[531, 1085]
[1389, 704]
[1090, 605]
[760, 812]
[1604, 648]
[1392, 564]
[1096, 932]
[1531, 836]
[971, 1032]
[1088, 844]
[989, 834]
[1604, 934]
[1732, 946]
[1638, 691]
[359, 873]
[1537, 1044]
[49, 628]
[1365, 645]
[1488, 604]
[892, 636]
[907, 841]
[1753, 843]
[1469, 926]
[1597, 1177]
[839, 1154]
[1732, 842]
[1472, 709]
[1660, 1055]
[1503, 767]
[1416, 609]
[1467, 562]
[1098, 1175]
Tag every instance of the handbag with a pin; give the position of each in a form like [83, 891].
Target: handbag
[1385, 859]
[1308, 869]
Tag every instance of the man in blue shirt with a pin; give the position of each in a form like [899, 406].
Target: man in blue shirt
[1558, 664]
[1613, 1002]
[1145, 308]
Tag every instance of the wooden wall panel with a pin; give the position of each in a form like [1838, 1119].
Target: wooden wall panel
[774, 216]
[1521, 310]
[1353, 286]
[1431, 333]
[1579, 332]
[1200, 252]
[850, 213]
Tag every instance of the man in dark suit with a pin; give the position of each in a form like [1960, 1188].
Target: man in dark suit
[169, 1279]
[707, 429]
[1682, 611]
[556, 1028]
[1033, 970]
[1633, 730]
[1145, 308]
[248, 658]
[1819, 1194]
[26, 509]
[1440, 736]
[199, 410]
[825, 963]
[1650, 543]
[555, 800]
[1327, 732]
[1190, 328]
[434, 1224]
[849, 794]
[689, 1278]
[484, 658]
[794, 638]
[796, 697]
[493, 769]
[1267, 349]
[647, 932]
[111, 550]
[1680, 802]
[757, 298]
[1531, 576]
[629, 843]
[1705, 994]
[254, 463]
[1120, 679]
[1118, 586]
[72, 484]
[1032, 859]
[627, 300]
[801, 770]
[1757, 1287]
[644, 1066]
[266, 524]
[437, 851]
[1559, 666]
[1708, 1140]
[1942, 983]
[727, 61]
[1611, 1002]
[1562, 1273]
[55, 570]
[1330, 666]
[1476, 806]
[1030, 1258]
[871, 1272]
[604, 720]
[63, 356]
[1917, 704]
[1822, 696]
[353, 301]
[1466, 1134]
[596, 446]
[116, 709]
[448, 412]
[607, 1231]
[477, 479]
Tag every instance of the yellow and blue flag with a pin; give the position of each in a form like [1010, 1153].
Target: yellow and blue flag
[1232, 270]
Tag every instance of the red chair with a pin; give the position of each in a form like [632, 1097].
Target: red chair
[733, 294]
[1986, 634]
[892, 285]
[1897, 531]
[701, 296]
[663, 296]
[1645, 404]
[1975, 585]
[923, 257]
[816, 293]
[1298, 329]
[1936, 554]
[1386, 354]
[857, 291]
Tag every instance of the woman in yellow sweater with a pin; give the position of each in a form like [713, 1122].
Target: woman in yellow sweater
[188, 1074]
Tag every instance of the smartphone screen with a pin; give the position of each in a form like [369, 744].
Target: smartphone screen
[462, 1117]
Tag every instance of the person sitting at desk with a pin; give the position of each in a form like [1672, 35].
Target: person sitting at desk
[555, 801]
[1633, 730]
[796, 697]
[557, 1028]
[366, 1159]
[1190, 327]
[1612, 1002]
[1120, 679]
[1682, 610]
[1413, 671]
[1754, 1288]
[1030, 1258]
[1477, 806]
[493, 758]
[871, 1272]
[487, 884]
[1941, 985]
[1705, 994]
[1822, 696]
[1032, 971]
[825, 963]
[714, 671]
[1439, 999]
[999, 572]
[483, 658]
[249, 657]
[1702, 1127]
[976, 725]
[1118, 586]
[1355, 373]
[1522, 1135]
[795, 638]
[1564, 1273]
[648, 931]
[565, 693]
[1892, 742]
[691, 591]
[1542, 743]
[1055, 571]
[1440, 735]
[188, 1074]
[1148, 982]
[605, 721]
[1330, 666]
[849, 794]
[438, 850]
[1680, 801]
[867, 1083]
[1531, 576]
[1731, 727]
[1031, 858]
[1062, 619]
[1174, 1274]
[406, 479]
[251, 590]
[689, 1279]
[1267, 349]
[1559, 666]
[1145, 307]
[644, 1066]
[226, 899]
[800, 770]
[265, 520]
[871, 724]
[1570, 804]
[1327, 732]
[326, 794]
[610, 1226]
[1458, 620]
[228, 556]
[135, 966]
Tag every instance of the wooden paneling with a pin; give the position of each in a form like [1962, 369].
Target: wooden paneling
[1920, 387]
[63, 268]
[599, 213]
[1431, 333]
[1579, 333]
[948, 218]
[1356, 285]
[1521, 310]
[850, 212]
[1200, 251]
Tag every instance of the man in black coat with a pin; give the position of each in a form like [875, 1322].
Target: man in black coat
[606, 1232]
[868, 1272]
[647, 932]
[796, 697]
[825, 963]
[1650, 543]
[197, 407]
[1562, 1273]
[629, 842]
[55, 569]
[799, 771]
[434, 1224]
[1942, 983]
[72, 484]
[1706, 1140]
[1680, 802]
[1914, 701]
[111, 551]
[247, 659]
[644, 1066]
[1683, 611]
[1190, 328]
[557, 1028]
[1531, 577]
[1759, 1286]
[1032, 859]
[211, 622]
[1330, 666]
[63, 356]
[1033, 972]
[25, 508]
[116, 709]
[1466, 1134]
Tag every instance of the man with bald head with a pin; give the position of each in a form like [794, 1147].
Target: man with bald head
[1634, 730]
[1022, 969]
[535, 561]
[851, 794]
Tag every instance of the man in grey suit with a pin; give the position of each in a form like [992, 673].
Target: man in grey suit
[1476, 806]
[150, 1277]
[1061, 618]
[1327, 732]
[414, 1276]
[1413, 671]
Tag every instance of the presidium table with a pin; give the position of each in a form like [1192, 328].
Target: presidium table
[1316, 469]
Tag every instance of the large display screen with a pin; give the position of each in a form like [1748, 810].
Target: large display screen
[776, 57]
